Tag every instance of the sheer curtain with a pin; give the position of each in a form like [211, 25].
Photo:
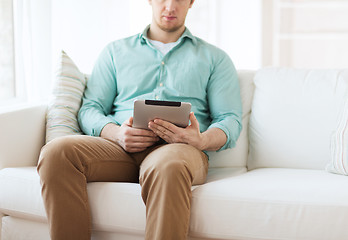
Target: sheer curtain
[7, 52]
[32, 49]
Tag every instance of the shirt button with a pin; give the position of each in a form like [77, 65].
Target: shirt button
[162, 63]
[161, 84]
[157, 97]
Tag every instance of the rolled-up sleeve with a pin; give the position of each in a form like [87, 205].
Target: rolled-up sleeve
[99, 95]
[224, 100]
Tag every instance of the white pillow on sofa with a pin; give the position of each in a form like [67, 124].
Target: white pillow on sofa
[339, 144]
[68, 88]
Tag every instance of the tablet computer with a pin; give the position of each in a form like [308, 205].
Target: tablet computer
[144, 111]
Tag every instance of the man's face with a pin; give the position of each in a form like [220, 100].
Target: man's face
[170, 15]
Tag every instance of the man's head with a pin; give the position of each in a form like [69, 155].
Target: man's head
[170, 15]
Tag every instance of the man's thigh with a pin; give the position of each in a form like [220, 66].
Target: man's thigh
[97, 158]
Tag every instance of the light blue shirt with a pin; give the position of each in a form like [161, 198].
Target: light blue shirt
[193, 71]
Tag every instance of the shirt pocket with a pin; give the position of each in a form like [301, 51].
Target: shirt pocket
[190, 79]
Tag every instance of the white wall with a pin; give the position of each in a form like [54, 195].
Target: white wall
[240, 32]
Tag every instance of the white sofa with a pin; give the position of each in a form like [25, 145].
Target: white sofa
[273, 185]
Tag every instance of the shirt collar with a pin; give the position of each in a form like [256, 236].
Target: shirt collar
[186, 34]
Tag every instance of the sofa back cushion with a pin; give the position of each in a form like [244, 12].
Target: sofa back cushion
[237, 157]
[294, 113]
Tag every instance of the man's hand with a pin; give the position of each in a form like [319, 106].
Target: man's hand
[129, 138]
[172, 134]
[211, 140]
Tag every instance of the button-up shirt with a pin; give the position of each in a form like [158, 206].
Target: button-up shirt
[193, 71]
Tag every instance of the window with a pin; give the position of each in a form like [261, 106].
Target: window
[7, 71]
[306, 33]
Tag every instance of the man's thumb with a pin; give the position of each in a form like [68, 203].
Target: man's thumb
[193, 119]
[129, 121]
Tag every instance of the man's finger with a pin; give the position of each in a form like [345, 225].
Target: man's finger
[165, 125]
[139, 144]
[134, 150]
[137, 131]
[143, 139]
[160, 129]
[142, 132]
[194, 121]
[129, 122]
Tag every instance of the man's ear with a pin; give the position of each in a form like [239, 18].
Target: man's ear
[192, 1]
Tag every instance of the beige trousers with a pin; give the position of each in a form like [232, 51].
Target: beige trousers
[166, 173]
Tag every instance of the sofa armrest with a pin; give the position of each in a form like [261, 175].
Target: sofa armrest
[22, 135]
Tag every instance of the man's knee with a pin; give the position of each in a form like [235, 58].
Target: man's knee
[54, 157]
[172, 168]
[167, 164]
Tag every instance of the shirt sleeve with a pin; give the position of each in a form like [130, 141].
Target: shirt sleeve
[224, 100]
[99, 95]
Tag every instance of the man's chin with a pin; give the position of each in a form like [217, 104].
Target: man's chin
[170, 29]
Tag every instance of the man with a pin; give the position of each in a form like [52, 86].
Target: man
[164, 62]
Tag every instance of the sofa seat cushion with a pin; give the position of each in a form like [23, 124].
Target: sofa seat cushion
[116, 207]
[20, 193]
[272, 203]
[260, 204]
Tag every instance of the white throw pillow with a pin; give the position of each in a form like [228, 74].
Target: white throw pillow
[339, 144]
[68, 88]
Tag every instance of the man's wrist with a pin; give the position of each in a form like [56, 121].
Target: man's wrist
[109, 131]
[213, 139]
[204, 141]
